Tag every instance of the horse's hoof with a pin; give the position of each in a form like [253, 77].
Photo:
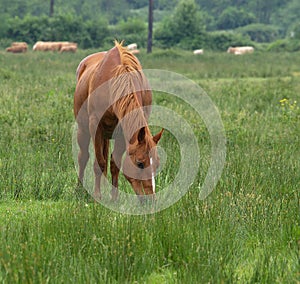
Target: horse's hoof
[97, 197]
[114, 194]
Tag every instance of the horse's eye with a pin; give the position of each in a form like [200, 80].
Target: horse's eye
[140, 165]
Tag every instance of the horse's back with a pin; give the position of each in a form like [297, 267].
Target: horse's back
[90, 60]
[104, 72]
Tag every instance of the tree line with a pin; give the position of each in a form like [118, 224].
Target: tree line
[188, 24]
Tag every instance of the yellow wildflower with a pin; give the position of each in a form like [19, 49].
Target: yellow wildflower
[282, 101]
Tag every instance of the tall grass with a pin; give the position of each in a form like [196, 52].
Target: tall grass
[246, 231]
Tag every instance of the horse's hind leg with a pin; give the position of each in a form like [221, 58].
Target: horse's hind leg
[100, 163]
[83, 139]
[115, 165]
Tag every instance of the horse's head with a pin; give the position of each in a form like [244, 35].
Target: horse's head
[142, 161]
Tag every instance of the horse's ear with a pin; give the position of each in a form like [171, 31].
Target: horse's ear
[157, 137]
[141, 135]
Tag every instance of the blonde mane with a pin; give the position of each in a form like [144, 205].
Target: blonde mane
[128, 80]
[128, 60]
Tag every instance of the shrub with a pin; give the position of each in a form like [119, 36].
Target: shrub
[260, 32]
[285, 45]
[295, 31]
[132, 30]
[132, 26]
[95, 34]
[29, 29]
[196, 42]
[4, 25]
[65, 27]
[163, 35]
[5, 42]
[222, 40]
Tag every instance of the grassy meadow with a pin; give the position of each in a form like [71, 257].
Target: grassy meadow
[246, 231]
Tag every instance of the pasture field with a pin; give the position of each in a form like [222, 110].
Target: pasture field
[246, 231]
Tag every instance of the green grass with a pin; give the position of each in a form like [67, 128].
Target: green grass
[246, 231]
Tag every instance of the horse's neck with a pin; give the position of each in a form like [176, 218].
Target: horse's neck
[130, 114]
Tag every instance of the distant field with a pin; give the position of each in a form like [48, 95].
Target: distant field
[246, 231]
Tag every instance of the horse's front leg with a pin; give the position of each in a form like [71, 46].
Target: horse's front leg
[115, 165]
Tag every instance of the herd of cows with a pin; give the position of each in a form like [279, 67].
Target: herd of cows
[66, 46]
[238, 50]
[60, 46]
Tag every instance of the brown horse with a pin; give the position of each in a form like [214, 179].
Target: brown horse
[112, 100]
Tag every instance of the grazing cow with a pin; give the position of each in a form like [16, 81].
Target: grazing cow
[240, 50]
[50, 45]
[198, 51]
[20, 43]
[135, 51]
[46, 46]
[68, 43]
[36, 45]
[69, 48]
[17, 47]
[132, 46]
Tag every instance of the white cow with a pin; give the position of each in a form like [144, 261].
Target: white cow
[132, 46]
[198, 51]
[240, 50]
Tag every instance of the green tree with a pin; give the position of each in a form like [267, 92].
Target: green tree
[131, 30]
[214, 7]
[260, 32]
[232, 18]
[132, 26]
[187, 20]
[115, 10]
[165, 4]
[287, 16]
[4, 25]
[264, 9]
[296, 31]
[137, 4]
[183, 25]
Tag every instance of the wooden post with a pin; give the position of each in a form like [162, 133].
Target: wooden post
[51, 8]
[150, 26]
